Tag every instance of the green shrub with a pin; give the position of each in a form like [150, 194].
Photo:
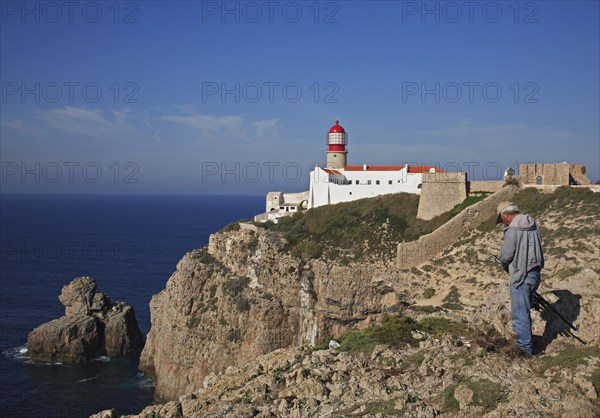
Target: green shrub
[563, 200]
[203, 256]
[397, 332]
[234, 226]
[425, 308]
[428, 293]
[570, 356]
[470, 200]
[242, 304]
[567, 272]
[595, 379]
[416, 358]
[393, 331]
[357, 342]
[452, 300]
[345, 230]
[439, 326]
[323, 344]
[486, 394]
[382, 408]
[450, 401]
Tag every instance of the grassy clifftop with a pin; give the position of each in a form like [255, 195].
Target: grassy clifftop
[363, 229]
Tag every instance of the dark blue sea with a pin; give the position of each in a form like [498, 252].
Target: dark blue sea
[130, 245]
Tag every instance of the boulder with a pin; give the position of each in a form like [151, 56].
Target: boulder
[68, 339]
[81, 297]
[122, 336]
[107, 413]
[92, 326]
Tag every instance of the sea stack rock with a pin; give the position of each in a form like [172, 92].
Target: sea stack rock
[91, 327]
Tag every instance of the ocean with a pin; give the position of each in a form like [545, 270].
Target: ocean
[130, 245]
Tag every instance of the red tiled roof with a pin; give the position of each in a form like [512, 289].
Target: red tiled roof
[412, 169]
[374, 167]
[423, 169]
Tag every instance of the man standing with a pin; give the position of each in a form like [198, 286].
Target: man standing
[521, 256]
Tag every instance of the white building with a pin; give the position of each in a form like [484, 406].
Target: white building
[328, 186]
[339, 182]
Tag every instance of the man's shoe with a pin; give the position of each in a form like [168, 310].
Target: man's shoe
[516, 352]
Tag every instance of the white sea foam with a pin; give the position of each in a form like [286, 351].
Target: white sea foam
[144, 382]
[17, 353]
[86, 380]
[103, 359]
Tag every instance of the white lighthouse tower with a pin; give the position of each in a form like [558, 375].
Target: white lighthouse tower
[337, 139]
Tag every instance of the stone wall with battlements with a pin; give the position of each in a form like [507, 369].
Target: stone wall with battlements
[579, 175]
[543, 174]
[440, 193]
[485, 186]
[427, 247]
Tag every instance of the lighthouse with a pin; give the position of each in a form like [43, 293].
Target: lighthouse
[337, 139]
[339, 182]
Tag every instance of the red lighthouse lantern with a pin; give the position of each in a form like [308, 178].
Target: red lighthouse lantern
[337, 139]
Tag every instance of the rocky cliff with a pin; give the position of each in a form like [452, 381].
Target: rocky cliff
[246, 295]
[91, 327]
[446, 376]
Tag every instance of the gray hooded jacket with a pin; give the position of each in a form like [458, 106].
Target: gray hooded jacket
[522, 248]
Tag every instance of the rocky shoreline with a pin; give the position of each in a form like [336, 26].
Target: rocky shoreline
[447, 376]
[237, 330]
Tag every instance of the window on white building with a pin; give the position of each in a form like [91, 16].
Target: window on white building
[368, 181]
[376, 181]
[355, 180]
[390, 181]
[420, 186]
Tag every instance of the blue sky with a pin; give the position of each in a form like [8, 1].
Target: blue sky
[236, 98]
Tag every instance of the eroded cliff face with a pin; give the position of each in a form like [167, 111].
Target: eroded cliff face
[244, 296]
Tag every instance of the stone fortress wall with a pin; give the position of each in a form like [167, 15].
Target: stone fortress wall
[427, 247]
[490, 186]
[555, 174]
[559, 174]
[440, 193]
[578, 174]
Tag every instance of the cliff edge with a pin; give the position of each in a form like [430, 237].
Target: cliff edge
[254, 292]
